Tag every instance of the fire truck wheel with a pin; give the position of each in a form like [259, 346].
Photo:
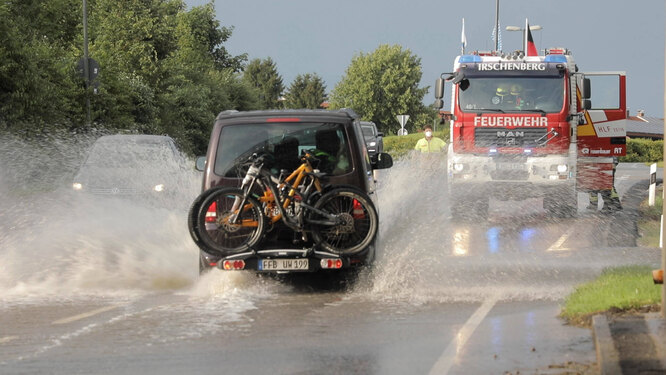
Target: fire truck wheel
[558, 208]
[612, 205]
[469, 209]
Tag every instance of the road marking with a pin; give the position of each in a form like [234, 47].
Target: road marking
[449, 356]
[561, 240]
[6, 339]
[86, 315]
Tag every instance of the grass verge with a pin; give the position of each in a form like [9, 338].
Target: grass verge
[617, 290]
[649, 222]
[621, 290]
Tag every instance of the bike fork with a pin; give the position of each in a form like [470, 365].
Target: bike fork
[239, 202]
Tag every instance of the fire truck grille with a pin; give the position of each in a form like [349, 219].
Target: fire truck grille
[509, 175]
[502, 137]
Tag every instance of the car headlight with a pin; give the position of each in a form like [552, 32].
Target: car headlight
[561, 168]
[77, 186]
[372, 144]
[458, 167]
[159, 188]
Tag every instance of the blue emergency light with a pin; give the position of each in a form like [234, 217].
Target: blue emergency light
[555, 59]
[466, 59]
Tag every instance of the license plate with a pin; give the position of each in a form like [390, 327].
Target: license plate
[511, 166]
[282, 264]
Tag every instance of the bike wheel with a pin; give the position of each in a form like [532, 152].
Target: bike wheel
[192, 214]
[214, 227]
[359, 221]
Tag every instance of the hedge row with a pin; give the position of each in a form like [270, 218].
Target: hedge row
[638, 150]
[644, 151]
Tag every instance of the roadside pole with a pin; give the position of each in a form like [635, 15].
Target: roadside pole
[653, 184]
[663, 213]
[86, 66]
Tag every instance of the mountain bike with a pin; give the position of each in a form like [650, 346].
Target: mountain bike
[339, 219]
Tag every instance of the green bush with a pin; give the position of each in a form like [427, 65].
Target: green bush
[643, 151]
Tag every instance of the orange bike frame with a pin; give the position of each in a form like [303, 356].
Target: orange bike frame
[297, 177]
[269, 200]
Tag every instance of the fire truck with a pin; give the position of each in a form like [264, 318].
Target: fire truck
[531, 127]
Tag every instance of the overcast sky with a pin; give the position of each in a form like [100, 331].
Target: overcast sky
[312, 36]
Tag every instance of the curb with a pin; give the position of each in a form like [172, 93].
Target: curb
[656, 325]
[608, 357]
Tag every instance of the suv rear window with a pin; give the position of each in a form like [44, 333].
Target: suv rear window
[283, 142]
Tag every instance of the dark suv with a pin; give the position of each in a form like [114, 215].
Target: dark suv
[285, 136]
[374, 140]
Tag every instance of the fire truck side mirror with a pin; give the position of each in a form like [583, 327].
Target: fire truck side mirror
[439, 93]
[439, 88]
[586, 103]
[587, 88]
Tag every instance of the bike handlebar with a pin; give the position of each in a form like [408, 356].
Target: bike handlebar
[307, 155]
[256, 158]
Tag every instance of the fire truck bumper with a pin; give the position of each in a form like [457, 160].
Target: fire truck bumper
[503, 190]
[473, 181]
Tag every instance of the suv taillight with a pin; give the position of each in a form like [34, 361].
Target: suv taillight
[357, 210]
[211, 213]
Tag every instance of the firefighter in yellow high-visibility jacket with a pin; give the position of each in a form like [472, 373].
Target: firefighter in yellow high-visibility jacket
[429, 143]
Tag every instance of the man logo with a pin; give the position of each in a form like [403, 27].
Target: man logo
[510, 134]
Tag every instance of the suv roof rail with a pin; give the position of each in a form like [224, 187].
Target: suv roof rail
[349, 111]
[228, 112]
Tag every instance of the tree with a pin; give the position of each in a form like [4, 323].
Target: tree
[197, 85]
[306, 91]
[263, 75]
[38, 86]
[163, 69]
[132, 41]
[206, 35]
[381, 85]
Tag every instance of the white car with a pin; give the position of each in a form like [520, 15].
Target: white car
[132, 166]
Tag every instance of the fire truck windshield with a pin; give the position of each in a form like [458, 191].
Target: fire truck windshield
[512, 94]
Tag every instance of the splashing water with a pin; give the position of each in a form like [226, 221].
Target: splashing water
[56, 242]
[425, 256]
[53, 243]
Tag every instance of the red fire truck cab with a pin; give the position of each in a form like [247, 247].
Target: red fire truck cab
[532, 126]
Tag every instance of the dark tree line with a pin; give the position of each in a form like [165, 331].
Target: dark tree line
[163, 69]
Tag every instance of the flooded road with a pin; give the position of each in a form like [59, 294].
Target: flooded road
[109, 286]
